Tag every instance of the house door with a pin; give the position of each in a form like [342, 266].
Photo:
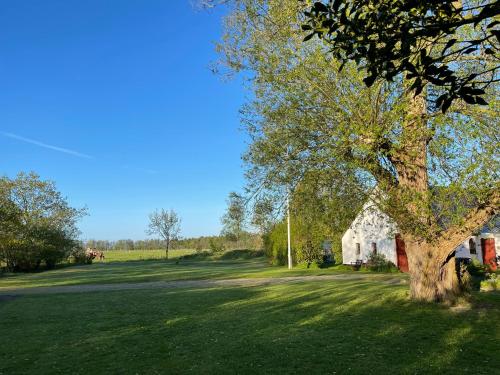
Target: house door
[401, 254]
[489, 253]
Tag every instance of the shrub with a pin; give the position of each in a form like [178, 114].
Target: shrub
[491, 283]
[217, 246]
[477, 269]
[309, 253]
[37, 226]
[198, 255]
[342, 267]
[379, 263]
[275, 244]
[199, 247]
[242, 254]
[82, 256]
[479, 273]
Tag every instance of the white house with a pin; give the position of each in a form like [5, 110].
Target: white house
[372, 230]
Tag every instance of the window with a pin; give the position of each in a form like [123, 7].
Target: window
[358, 249]
[472, 246]
[374, 247]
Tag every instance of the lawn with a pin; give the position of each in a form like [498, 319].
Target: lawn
[124, 255]
[314, 327]
[354, 327]
[132, 271]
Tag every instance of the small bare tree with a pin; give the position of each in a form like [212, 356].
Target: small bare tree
[166, 224]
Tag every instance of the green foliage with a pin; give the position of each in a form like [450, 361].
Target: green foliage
[217, 246]
[309, 252]
[37, 224]
[423, 39]
[379, 263]
[199, 255]
[491, 283]
[307, 239]
[241, 254]
[477, 269]
[481, 276]
[233, 220]
[199, 248]
[307, 116]
[80, 256]
[246, 240]
[275, 244]
[315, 217]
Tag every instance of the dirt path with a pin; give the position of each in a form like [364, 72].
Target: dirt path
[211, 283]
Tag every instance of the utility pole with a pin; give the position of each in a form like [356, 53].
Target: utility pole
[288, 229]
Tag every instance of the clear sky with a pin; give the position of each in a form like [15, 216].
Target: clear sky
[114, 101]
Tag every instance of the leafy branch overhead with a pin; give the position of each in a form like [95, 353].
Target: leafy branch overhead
[417, 38]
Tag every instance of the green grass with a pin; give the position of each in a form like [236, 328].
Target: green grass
[226, 266]
[124, 255]
[311, 327]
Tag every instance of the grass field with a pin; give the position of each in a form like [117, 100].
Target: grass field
[132, 271]
[123, 255]
[352, 327]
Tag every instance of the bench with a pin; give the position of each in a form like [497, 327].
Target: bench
[357, 264]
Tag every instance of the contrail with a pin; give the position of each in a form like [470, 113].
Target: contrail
[45, 145]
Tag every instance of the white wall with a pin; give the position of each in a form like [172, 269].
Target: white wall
[463, 250]
[371, 225]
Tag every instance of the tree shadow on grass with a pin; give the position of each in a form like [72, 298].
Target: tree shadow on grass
[133, 271]
[316, 327]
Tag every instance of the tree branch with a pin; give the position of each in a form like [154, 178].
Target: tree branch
[451, 238]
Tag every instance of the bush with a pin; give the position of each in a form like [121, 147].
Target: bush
[242, 254]
[37, 226]
[379, 263]
[217, 246]
[477, 269]
[82, 256]
[37, 246]
[199, 248]
[491, 283]
[275, 244]
[199, 255]
[309, 253]
[342, 267]
[478, 275]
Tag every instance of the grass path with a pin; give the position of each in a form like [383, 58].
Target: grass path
[144, 271]
[207, 283]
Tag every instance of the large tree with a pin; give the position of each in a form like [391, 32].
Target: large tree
[37, 225]
[234, 218]
[436, 174]
[166, 224]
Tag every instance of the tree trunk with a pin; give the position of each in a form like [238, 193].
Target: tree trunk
[166, 248]
[432, 267]
[432, 278]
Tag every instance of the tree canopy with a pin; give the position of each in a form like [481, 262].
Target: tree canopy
[166, 224]
[454, 45]
[36, 223]
[233, 220]
[307, 115]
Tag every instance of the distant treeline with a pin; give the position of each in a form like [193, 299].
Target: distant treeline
[246, 240]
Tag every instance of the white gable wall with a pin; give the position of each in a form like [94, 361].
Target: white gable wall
[371, 225]
[463, 251]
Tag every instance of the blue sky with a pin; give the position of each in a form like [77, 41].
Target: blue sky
[114, 101]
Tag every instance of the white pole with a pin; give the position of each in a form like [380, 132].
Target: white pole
[288, 228]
